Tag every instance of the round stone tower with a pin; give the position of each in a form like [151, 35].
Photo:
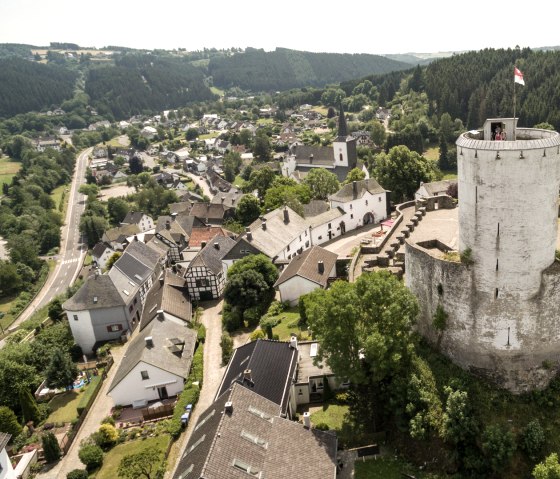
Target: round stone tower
[502, 300]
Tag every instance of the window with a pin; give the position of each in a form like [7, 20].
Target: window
[498, 230]
[259, 413]
[307, 244]
[254, 439]
[113, 328]
[135, 300]
[239, 464]
[350, 205]
[329, 226]
[496, 293]
[202, 282]
[130, 308]
[379, 199]
[367, 202]
[144, 375]
[352, 217]
[320, 238]
[75, 317]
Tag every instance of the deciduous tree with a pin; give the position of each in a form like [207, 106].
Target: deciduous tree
[147, 464]
[61, 371]
[322, 183]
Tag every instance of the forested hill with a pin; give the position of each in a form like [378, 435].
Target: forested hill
[282, 69]
[27, 86]
[140, 83]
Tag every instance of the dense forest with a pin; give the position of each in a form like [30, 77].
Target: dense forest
[282, 69]
[27, 86]
[145, 83]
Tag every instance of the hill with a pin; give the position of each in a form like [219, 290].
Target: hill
[27, 86]
[282, 69]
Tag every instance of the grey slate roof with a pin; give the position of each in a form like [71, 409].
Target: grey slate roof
[133, 217]
[357, 189]
[313, 155]
[229, 199]
[436, 187]
[211, 255]
[209, 211]
[326, 217]
[314, 208]
[99, 249]
[169, 294]
[254, 434]
[159, 354]
[306, 266]
[120, 233]
[97, 292]
[272, 365]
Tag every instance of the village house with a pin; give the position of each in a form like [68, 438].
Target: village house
[435, 188]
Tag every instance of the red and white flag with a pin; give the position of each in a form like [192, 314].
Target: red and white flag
[518, 76]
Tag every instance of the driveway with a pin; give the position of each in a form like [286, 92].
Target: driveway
[198, 180]
[100, 409]
[213, 372]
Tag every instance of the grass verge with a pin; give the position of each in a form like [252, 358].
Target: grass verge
[289, 324]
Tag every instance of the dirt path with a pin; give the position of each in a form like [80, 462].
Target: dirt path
[213, 372]
[100, 409]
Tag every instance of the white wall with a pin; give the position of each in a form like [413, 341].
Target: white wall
[7, 471]
[134, 388]
[356, 209]
[297, 286]
[82, 329]
[340, 148]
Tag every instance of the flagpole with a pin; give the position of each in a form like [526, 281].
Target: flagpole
[514, 103]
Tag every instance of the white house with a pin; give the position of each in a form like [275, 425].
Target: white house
[435, 188]
[148, 132]
[6, 469]
[306, 272]
[101, 253]
[156, 364]
[140, 219]
[364, 202]
[98, 312]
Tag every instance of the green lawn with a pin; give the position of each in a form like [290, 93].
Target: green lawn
[213, 89]
[432, 153]
[56, 195]
[114, 142]
[239, 182]
[64, 405]
[289, 324]
[332, 415]
[323, 110]
[113, 458]
[265, 121]
[8, 168]
[387, 468]
[5, 305]
[208, 136]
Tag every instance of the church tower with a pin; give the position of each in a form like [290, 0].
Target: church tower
[344, 145]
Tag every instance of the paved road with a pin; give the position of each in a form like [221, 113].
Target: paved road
[213, 372]
[198, 180]
[101, 408]
[72, 250]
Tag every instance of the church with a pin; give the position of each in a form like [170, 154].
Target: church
[338, 159]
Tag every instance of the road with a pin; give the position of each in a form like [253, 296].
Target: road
[72, 249]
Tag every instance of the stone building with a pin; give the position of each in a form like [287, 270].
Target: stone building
[502, 299]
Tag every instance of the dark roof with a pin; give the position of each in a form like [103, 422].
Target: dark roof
[357, 189]
[208, 211]
[437, 187]
[211, 255]
[161, 352]
[313, 155]
[169, 294]
[272, 365]
[120, 233]
[342, 126]
[99, 249]
[240, 249]
[133, 217]
[306, 266]
[253, 433]
[132, 268]
[314, 208]
[183, 206]
[144, 253]
[97, 292]
[4, 440]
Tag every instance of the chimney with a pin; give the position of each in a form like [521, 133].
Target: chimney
[307, 420]
[247, 378]
[293, 341]
[135, 237]
[167, 225]
[217, 245]
[202, 244]
[223, 199]
[173, 216]
[161, 280]
[149, 342]
[160, 313]
[228, 407]
[311, 158]
[263, 225]
[248, 234]
[97, 273]
[233, 202]
[320, 267]
[355, 189]
[286, 215]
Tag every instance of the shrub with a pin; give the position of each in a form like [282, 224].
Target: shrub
[77, 474]
[498, 446]
[108, 420]
[533, 439]
[439, 321]
[226, 344]
[321, 426]
[51, 448]
[91, 456]
[8, 421]
[201, 333]
[252, 316]
[232, 318]
[257, 334]
[275, 308]
[466, 257]
[342, 397]
[106, 436]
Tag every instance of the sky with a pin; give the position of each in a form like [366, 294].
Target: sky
[341, 27]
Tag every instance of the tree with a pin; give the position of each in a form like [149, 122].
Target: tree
[147, 464]
[443, 161]
[262, 146]
[356, 174]
[55, 309]
[498, 446]
[401, 171]
[61, 371]
[191, 134]
[322, 183]
[135, 165]
[10, 280]
[77, 474]
[8, 422]
[458, 425]
[232, 165]
[112, 260]
[285, 191]
[91, 456]
[29, 407]
[91, 191]
[50, 447]
[548, 469]
[93, 227]
[117, 209]
[260, 180]
[246, 290]
[106, 436]
[247, 209]
[226, 343]
[533, 439]
[377, 130]
[364, 327]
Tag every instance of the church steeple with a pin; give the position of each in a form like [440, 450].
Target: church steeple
[342, 126]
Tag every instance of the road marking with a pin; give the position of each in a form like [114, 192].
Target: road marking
[67, 261]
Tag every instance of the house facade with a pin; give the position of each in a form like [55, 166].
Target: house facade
[140, 219]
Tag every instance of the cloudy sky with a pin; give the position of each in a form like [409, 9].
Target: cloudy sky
[343, 27]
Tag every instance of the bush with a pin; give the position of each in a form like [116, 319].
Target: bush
[275, 308]
[77, 474]
[108, 420]
[533, 439]
[321, 426]
[227, 347]
[342, 397]
[498, 446]
[106, 436]
[439, 321]
[91, 456]
[252, 316]
[232, 318]
[257, 334]
[201, 333]
[8, 421]
[51, 448]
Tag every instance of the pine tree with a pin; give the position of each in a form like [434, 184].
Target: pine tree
[8, 422]
[443, 161]
[50, 447]
[29, 407]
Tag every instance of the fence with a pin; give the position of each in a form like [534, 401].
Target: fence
[156, 413]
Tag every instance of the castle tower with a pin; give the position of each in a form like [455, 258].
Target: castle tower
[503, 305]
[344, 145]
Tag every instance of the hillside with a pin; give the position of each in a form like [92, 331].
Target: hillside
[282, 69]
[27, 86]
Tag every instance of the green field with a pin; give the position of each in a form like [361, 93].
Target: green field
[387, 468]
[113, 458]
[63, 406]
[331, 414]
[208, 136]
[8, 169]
